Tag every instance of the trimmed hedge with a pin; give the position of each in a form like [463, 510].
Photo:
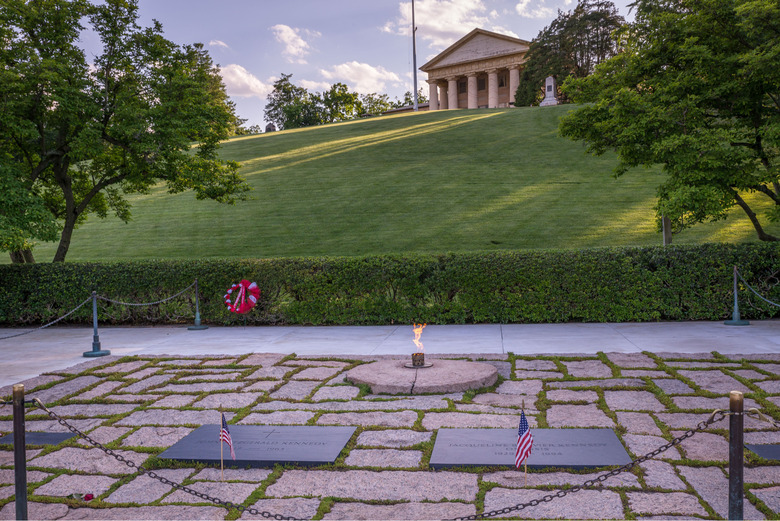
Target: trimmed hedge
[598, 285]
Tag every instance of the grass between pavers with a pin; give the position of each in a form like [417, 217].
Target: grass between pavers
[542, 404]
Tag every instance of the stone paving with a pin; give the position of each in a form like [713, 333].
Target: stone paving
[139, 406]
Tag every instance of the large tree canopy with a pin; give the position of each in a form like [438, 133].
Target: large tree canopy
[76, 136]
[572, 45]
[697, 90]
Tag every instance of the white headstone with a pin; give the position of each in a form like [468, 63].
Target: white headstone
[550, 92]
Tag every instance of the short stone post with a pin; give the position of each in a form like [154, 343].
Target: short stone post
[95, 337]
[736, 455]
[20, 454]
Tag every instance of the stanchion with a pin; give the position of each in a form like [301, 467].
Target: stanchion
[197, 326]
[736, 320]
[95, 338]
[20, 454]
[736, 455]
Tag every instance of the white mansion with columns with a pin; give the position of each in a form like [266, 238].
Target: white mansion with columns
[481, 70]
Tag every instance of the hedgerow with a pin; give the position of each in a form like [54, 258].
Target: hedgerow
[596, 285]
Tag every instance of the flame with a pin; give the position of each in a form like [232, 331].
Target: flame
[417, 332]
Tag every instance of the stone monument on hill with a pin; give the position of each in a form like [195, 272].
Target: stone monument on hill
[550, 92]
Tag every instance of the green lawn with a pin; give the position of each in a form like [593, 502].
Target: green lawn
[428, 182]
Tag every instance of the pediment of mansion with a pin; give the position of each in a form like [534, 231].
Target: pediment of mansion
[481, 70]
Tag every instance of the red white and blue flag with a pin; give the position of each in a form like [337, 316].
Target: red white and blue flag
[524, 441]
[224, 435]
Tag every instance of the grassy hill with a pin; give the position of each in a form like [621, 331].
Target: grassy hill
[427, 182]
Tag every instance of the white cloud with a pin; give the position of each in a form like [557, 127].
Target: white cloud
[218, 43]
[442, 22]
[361, 77]
[525, 9]
[241, 83]
[315, 86]
[295, 47]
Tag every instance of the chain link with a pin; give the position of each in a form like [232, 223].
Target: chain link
[146, 303]
[50, 323]
[154, 475]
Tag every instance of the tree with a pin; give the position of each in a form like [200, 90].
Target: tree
[697, 90]
[340, 104]
[77, 137]
[572, 45]
[284, 94]
[374, 104]
[408, 100]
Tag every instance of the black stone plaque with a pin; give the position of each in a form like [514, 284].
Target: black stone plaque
[564, 448]
[765, 451]
[40, 438]
[263, 445]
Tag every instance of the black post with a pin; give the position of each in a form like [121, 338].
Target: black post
[736, 450]
[20, 455]
[95, 337]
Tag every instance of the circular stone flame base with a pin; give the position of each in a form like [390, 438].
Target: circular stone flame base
[410, 365]
[445, 376]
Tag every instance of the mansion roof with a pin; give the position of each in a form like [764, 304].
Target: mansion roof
[478, 46]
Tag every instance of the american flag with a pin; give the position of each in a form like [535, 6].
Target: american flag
[524, 441]
[224, 435]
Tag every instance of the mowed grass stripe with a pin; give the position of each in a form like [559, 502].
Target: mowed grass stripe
[467, 180]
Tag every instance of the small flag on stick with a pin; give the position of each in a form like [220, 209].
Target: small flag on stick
[224, 435]
[524, 443]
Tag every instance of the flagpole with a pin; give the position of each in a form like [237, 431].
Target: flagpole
[221, 448]
[414, 58]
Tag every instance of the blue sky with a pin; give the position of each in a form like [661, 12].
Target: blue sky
[365, 44]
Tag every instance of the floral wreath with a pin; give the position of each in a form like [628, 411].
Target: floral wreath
[248, 293]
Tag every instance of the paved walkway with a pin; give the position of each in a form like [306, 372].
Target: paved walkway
[57, 348]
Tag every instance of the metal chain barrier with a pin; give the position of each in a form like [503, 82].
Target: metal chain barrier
[50, 323]
[146, 303]
[754, 291]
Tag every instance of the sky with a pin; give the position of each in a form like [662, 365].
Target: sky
[365, 44]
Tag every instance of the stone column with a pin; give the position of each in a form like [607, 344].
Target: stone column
[472, 90]
[444, 97]
[452, 92]
[514, 82]
[433, 95]
[492, 88]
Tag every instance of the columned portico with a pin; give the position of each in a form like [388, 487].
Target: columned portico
[481, 70]
[433, 95]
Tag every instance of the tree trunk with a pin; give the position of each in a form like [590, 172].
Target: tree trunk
[28, 256]
[22, 256]
[762, 235]
[67, 233]
[16, 257]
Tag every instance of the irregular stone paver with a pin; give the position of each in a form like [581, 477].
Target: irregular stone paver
[341, 392]
[51, 425]
[545, 375]
[92, 409]
[295, 390]
[262, 385]
[262, 359]
[156, 436]
[383, 458]
[664, 503]
[515, 479]
[700, 402]
[577, 416]
[713, 487]
[32, 383]
[702, 365]
[662, 475]
[146, 383]
[100, 390]
[641, 444]
[685, 356]
[670, 386]
[763, 475]
[7, 456]
[705, 446]
[530, 387]
[133, 398]
[633, 401]
[686, 420]
[200, 387]
[65, 485]
[770, 386]
[436, 420]
[763, 437]
[715, 381]
[504, 368]
[424, 402]
[7, 476]
[535, 365]
[144, 489]
[750, 374]
[36, 511]
[143, 373]
[179, 512]
[392, 438]
[602, 383]
[411, 511]
[173, 417]
[91, 461]
[298, 508]
[475, 407]
[770, 497]
[125, 367]
[631, 360]
[234, 492]
[6, 491]
[385, 485]
[585, 504]
[564, 395]
[174, 400]
[60, 390]
[380, 419]
[775, 400]
[638, 423]
[228, 400]
[588, 369]
[182, 362]
[772, 368]
[275, 372]
[316, 373]
[212, 377]
[641, 373]
[278, 418]
[250, 475]
[502, 400]
[216, 363]
[93, 363]
[105, 435]
[316, 363]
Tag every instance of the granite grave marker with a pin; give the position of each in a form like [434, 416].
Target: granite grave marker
[563, 448]
[40, 438]
[765, 451]
[263, 445]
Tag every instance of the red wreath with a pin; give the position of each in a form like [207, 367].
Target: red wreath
[247, 296]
